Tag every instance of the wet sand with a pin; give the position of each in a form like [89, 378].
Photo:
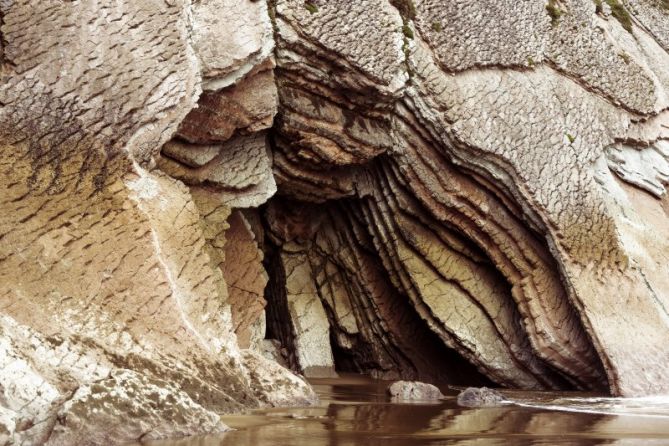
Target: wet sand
[356, 411]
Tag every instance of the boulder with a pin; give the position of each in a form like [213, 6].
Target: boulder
[480, 397]
[414, 391]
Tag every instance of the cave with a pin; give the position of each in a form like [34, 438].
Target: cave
[206, 213]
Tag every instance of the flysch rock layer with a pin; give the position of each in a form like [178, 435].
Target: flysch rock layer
[503, 167]
[472, 192]
[114, 317]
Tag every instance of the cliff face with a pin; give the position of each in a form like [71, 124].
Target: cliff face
[468, 191]
[500, 168]
[115, 323]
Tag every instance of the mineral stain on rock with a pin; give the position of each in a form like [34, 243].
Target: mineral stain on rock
[204, 201]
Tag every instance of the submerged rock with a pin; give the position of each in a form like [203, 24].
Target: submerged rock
[480, 397]
[414, 391]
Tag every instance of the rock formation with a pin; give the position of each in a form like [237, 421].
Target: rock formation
[414, 391]
[465, 191]
[480, 397]
[115, 316]
[499, 167]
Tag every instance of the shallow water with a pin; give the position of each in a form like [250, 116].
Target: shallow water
[356, 411]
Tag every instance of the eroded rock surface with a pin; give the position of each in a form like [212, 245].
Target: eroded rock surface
[490, 159]
[414, 391]
[480, 397]
[115, 323]
[465, 191]
[149, 410]
[246, 279]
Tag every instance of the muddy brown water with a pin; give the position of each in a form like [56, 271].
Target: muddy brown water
[356, 411]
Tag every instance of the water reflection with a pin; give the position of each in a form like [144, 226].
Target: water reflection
[356, 411]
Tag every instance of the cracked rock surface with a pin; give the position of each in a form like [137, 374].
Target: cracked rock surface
[504, 172]
[115, 318]
[194, 191]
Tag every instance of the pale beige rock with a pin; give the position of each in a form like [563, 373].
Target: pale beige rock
[647, 168]
[414, 391]
[275, 385]
[271, 349]
[128, 405]
[104, 275]
[231, 38]
[190, 154]
[307, 317]
[246, 279]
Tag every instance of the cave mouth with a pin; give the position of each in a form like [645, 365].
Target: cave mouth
[337, 302]
[349, 250]
[433, 361]
[449, 368]
[388, 340]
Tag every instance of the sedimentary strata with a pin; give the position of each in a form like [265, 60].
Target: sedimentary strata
[114, 316]
[505, 168]
[472, 192]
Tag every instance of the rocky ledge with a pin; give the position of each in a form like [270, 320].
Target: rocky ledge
[471, 192]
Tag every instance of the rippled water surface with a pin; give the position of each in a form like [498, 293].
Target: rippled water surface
[356, 411]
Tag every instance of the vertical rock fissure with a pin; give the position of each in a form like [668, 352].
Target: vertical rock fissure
[279, 326]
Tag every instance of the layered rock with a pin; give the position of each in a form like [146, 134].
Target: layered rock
[495, 158]
[469, 191]
[373, 327]
[114, 321]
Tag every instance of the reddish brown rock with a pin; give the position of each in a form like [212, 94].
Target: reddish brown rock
[246, 278]
[246, 107]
